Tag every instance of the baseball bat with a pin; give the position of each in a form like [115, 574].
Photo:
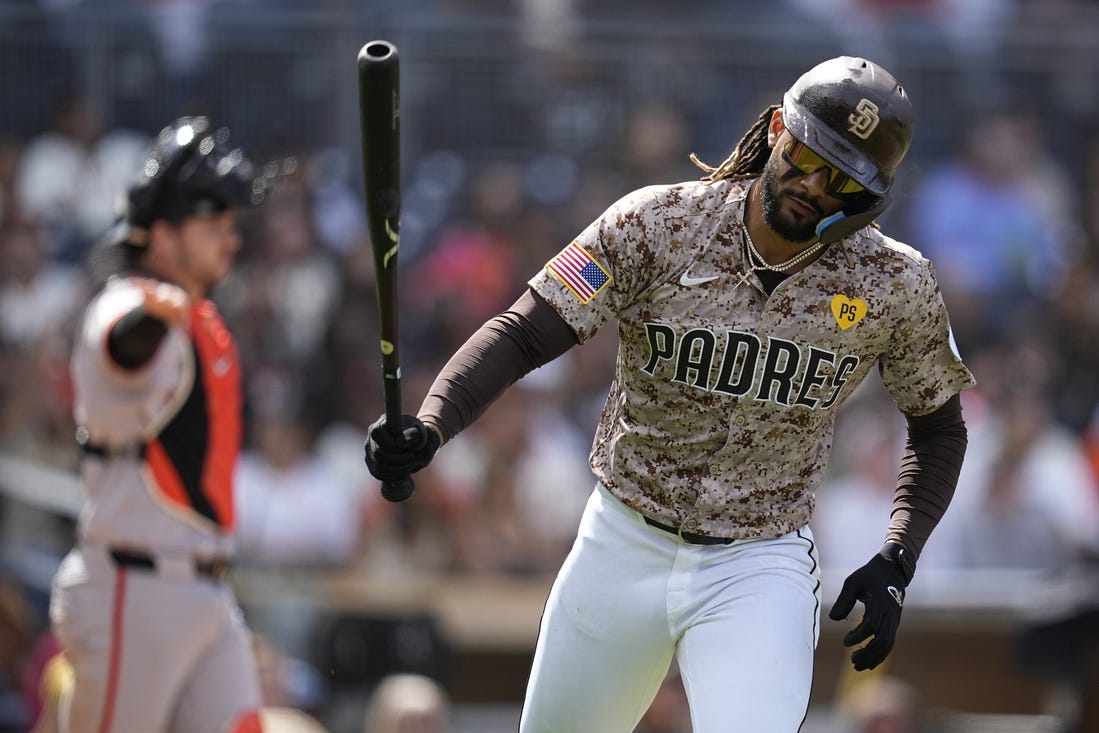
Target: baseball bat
[380, 117]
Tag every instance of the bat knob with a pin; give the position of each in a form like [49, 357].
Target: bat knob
[399, 490]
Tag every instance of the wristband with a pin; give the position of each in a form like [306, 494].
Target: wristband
[900, 557]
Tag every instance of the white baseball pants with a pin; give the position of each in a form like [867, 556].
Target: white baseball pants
[742, 621]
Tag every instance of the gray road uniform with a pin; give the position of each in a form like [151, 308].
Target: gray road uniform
[142, 604]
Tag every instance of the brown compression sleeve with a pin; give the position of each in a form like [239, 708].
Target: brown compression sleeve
[527, 335]
[928, 474]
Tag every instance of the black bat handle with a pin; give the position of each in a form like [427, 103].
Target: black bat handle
[399, 490]
[396, 490]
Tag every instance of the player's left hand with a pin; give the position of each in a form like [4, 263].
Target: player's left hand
[164, 301]
[880, 585]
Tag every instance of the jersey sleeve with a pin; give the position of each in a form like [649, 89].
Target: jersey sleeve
[108, 307]
[923, 369]
[605, 268]
[115, 404]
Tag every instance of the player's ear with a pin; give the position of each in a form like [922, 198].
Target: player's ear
[775, 128]
[159, 231]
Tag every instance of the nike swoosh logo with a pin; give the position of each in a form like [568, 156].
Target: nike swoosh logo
[687, 281]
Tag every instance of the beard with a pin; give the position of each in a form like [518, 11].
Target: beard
[786, 225]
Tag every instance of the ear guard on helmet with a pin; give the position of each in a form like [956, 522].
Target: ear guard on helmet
[848, 221]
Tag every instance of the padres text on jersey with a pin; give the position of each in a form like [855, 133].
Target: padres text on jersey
[721, 411]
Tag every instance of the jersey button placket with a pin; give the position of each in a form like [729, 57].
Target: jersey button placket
[690, 525]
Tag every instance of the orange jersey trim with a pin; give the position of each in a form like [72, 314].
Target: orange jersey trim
[194, 458]
[250, 722]
[221, 373]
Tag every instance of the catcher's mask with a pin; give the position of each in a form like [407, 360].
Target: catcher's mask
[189, 171]
[855, 116]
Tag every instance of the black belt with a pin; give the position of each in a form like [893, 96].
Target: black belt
[690, 538]
[100, 450]
[216, 568]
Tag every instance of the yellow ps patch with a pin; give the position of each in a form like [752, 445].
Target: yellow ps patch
[848, 311]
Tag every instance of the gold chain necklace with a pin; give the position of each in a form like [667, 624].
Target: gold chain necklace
[782, 266]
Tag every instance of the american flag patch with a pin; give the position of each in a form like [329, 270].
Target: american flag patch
[583, 275]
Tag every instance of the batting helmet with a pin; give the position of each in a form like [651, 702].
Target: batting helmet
[855, 115]
[190, 170]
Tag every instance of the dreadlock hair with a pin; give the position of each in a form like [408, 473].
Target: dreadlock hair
[748, 157]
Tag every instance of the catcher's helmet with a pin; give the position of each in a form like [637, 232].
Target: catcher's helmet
[189, 171]
[855, 115]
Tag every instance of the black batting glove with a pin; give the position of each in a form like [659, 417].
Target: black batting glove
[394, 456]
[880, 585]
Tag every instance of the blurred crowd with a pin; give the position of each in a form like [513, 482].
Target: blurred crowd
[1010, 221]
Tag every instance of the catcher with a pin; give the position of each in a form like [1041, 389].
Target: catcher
[150, 627]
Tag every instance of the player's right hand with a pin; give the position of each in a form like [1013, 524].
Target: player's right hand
[395, 455]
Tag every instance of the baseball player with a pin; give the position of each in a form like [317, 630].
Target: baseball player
[749, 304]
[141, 604]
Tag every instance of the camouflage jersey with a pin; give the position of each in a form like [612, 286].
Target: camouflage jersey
[720, 416]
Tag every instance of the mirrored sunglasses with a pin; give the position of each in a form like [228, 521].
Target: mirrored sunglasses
[798, 155]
